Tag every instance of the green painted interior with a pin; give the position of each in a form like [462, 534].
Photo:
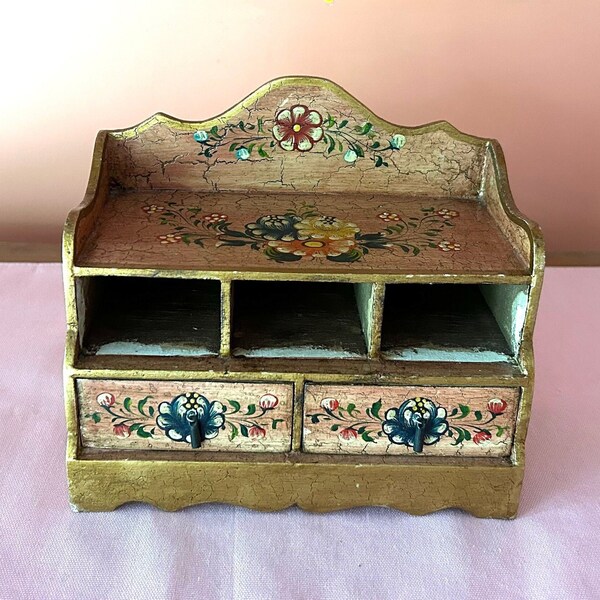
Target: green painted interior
[295, 319]
[443, 322]
[508, 304]
[365, 293]
[152, 317]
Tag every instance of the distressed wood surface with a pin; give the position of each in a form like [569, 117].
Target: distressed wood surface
[352, 420]
[256, 417]
[227, 232]
[302, 182]
[355, 370]
[494, 178]
[485, 490]
[163, 153]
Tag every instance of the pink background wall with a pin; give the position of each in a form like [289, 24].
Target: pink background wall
[526, 72]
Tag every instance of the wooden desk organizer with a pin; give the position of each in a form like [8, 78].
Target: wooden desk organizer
[299, 303]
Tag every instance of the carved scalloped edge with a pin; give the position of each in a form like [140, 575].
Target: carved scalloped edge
[482, 490]
[294, 81]
[473, 511]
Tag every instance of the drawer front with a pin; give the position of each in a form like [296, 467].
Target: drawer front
[151, 415]
[402, 420]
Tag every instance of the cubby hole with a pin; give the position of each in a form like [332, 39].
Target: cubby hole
[149, 316]
[453, 322]
[297, 319]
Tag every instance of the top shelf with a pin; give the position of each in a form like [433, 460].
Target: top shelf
[287, 235]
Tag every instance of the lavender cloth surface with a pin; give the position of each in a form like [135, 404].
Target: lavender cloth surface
[552, 550]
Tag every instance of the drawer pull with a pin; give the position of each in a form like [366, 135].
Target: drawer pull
[421, 423]
[195, 432]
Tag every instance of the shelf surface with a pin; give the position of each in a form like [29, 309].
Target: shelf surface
[365, 370]
[298, 233]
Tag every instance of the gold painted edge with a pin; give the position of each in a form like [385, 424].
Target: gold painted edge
[226, 313]
[484, 491]
[537, 264]
[480, 381]
[264, 275]
[376, 318]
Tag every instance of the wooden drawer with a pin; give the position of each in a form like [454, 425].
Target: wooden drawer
[151, 415]
[392, 420]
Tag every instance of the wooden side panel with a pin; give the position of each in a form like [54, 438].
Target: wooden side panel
[149, 415]
[369, 299]
[516, 234]
[366, 419]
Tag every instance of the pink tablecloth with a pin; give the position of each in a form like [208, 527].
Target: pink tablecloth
[552, 550]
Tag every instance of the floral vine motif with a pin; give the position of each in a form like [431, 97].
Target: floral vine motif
[129, 417]
[300, 128]
[415, 423]
[308, 233]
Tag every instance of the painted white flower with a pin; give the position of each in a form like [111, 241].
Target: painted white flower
[350, 156]
[447, 246]
[268, 401]
[444, 212]
[330, 404]
[397, 141]
[242, 153]
[106, 399]
[201, 136]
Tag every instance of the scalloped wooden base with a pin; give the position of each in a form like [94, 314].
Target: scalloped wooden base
[484, 488]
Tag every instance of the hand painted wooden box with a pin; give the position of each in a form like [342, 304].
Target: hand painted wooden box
[298, 303]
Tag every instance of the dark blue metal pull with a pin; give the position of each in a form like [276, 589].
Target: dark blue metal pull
[419, 436]
[196, 435]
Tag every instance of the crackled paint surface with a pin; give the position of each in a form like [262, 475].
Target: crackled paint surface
[304, 176]
[299, 137]
[459, 421]
[259, 231]
[245, 417]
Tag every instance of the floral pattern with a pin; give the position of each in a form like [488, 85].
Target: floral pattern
[174, 418]
[298, 128]
[415, 423]
[306, 232]
[274, 227]
[301, 128]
